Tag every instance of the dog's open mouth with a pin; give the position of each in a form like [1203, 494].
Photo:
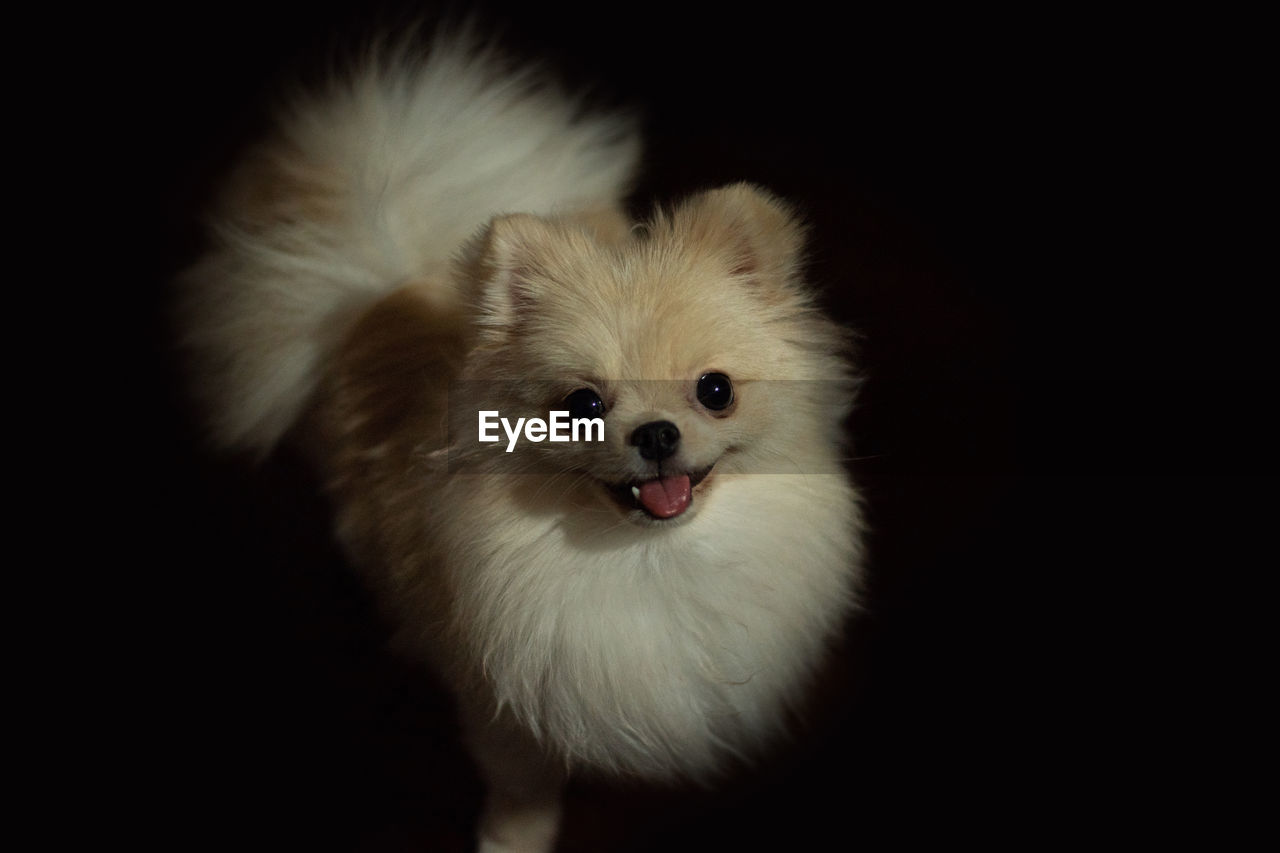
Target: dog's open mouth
[661, 497]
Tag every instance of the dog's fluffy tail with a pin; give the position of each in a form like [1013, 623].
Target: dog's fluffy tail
[366, 186]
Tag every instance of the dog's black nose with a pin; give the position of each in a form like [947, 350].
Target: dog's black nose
[657, 439]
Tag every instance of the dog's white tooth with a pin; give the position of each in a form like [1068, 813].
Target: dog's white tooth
[635, 492]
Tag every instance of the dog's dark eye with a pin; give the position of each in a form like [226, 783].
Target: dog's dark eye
[715, 391]
[584, 403]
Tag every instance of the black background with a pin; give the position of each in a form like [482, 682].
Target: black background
[1038, 224]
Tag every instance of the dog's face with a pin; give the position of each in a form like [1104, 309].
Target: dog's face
[692, 340]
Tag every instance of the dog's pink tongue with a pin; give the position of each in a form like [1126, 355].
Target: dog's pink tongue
[666, 498]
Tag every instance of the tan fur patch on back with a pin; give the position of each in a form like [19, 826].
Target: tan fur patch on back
[277, 185]
[386, 396]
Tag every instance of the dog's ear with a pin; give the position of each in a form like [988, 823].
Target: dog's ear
[505, 265]
[756, 236]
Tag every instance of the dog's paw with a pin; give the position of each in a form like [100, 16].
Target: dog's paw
[490, 846]
[519, 827]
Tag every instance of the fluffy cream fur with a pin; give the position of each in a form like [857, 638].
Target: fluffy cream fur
[420, 240]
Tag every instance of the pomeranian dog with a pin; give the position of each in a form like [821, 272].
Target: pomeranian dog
[431, 249]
